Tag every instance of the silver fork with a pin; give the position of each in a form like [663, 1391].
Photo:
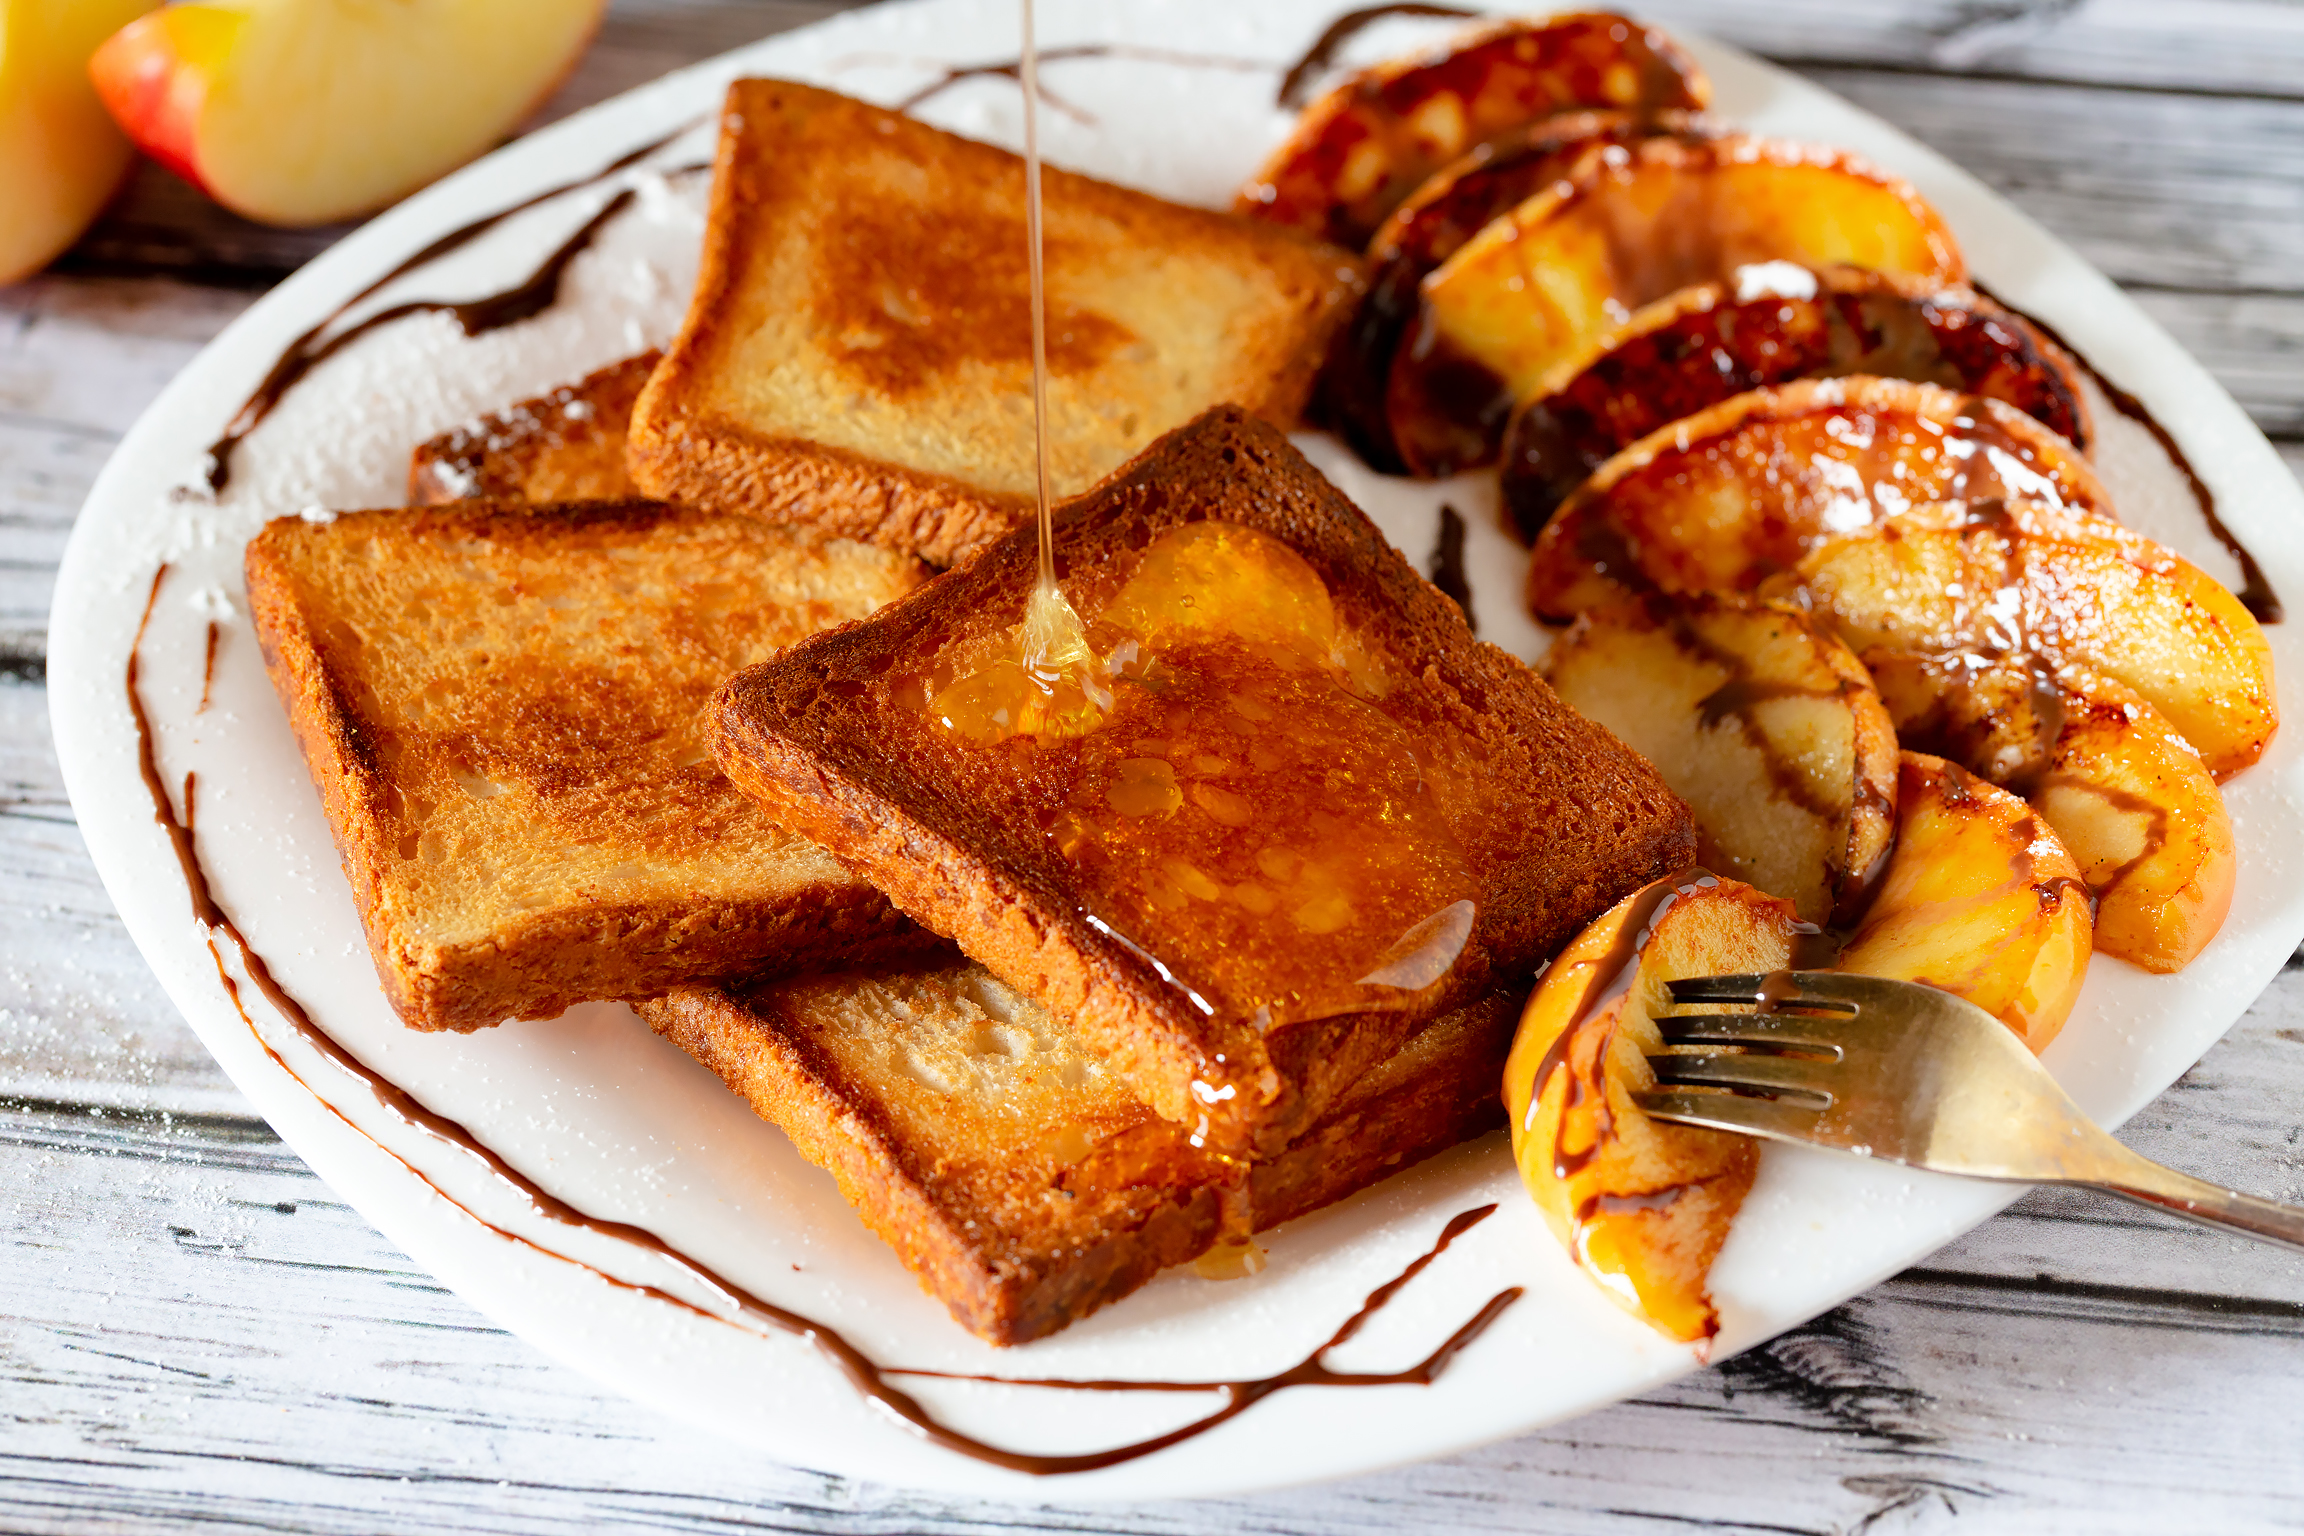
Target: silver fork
[1895, 1070]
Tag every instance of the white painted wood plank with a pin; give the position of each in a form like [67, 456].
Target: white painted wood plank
[2157, 190]
[2198, 45]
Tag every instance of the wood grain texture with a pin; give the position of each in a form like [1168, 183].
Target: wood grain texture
[195, 1332]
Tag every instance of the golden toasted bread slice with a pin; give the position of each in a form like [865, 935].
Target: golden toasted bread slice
[566, 445]
[1316, 812]
[501, 705]
[858, 354]
[1005, 1161]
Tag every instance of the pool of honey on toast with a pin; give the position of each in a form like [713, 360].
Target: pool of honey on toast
[1221, 776]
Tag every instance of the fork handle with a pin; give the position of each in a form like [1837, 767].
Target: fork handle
[2140, 1179]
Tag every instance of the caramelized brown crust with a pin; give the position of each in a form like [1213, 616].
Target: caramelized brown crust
[1452, 206]
[500, 705]
[564, 445]
[858, 348]
[1015, 1177]
[1555, 818]
[1747, 488]
[1704, 345]
[1360, 149]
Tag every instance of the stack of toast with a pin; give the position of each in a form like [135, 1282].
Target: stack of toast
[576, 744]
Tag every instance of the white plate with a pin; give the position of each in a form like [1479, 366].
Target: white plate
[601, 1112]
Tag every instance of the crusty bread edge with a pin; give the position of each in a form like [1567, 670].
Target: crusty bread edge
[525, 972]
[802, 1094]
[701, 459]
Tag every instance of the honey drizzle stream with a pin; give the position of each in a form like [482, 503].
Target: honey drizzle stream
[1054, 642]
[865, 1375]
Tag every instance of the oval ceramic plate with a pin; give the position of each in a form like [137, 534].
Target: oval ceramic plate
[599, 1111]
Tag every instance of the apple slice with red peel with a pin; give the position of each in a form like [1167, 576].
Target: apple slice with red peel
[1772, 324]
[1454, 204]
[1764, 723]
[1534, 296]
[1747, 488]
[1366, 144]
[298, 112]
[60, 156]
[1981, 900]
[1643, 1206]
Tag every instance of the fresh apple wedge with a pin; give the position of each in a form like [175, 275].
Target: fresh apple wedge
[60, 156]
[1641, 1205]
[1747, 488]
[2011, 578]
[1769, 325]
[1981, 900]
[1527, 302]
[1365, 145]
[1454, 204]
[300, 112]
[1764, 723]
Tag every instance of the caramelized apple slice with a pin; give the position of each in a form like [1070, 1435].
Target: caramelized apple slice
[1529, 300]
[2136, 808]
[1993, 579]
[1764, 723]
[1747, 488]
[1772, 324]
[1981, 900]
[1452, 206]
[1642, 1205]
[1369, 142]
[2146, 824]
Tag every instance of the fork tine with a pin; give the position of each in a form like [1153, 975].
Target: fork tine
[1773, 1074]
[1768, 1031]
[1776, 1118]
[1749, 991]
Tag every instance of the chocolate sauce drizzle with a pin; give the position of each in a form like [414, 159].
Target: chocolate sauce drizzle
[528, 298]
[865, 1375]
[1448, 564]
[208, 669]
[2255, 594]
[1296, 84]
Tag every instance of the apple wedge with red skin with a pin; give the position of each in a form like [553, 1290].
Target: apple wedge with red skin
[1771, 325]
[1980, 900]
[1454, 204]
[296, 112]
[60, 156]
[1747, 488]
[1764, 723]
[1360, 149]
[1531, 299]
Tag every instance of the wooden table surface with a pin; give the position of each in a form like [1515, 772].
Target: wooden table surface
[194, 1330]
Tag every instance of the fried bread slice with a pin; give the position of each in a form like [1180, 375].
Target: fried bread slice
[502, 707]
[858, 352]
[564, 445]
[1365, 842]
[1003, 1159]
